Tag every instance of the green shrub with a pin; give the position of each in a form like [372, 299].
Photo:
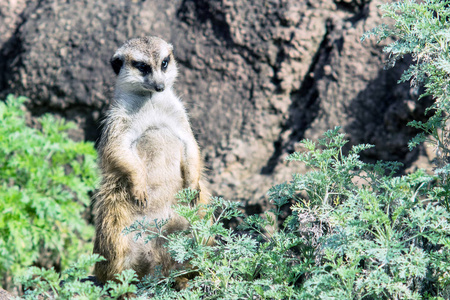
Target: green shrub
[45, 181]
[421, 29]
[71, 283]
[375, 235]
[356, 232]
[239, 265]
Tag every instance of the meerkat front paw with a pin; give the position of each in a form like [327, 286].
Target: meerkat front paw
[140, 193]
[140, 196]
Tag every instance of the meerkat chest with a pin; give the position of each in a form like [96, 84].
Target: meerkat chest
[157, 133]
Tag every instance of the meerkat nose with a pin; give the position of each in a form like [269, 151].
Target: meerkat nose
[159, 87]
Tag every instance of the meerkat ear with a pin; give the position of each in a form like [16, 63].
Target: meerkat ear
[116, 63]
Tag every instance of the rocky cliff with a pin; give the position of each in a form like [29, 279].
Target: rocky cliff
[257, 76]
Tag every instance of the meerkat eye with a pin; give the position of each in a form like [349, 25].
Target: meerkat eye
[142, 67]
[165, 63]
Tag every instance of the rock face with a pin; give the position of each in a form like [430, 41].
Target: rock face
[257, 76]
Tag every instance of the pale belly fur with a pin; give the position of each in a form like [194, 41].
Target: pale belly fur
[160, 152]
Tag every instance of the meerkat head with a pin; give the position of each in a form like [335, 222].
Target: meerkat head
[144, 65]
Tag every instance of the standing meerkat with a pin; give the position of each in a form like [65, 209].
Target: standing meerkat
[147, 153]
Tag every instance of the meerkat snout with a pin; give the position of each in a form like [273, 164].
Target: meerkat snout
[145, 65]
[159, 87]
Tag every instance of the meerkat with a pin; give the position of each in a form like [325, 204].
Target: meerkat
[147, 153]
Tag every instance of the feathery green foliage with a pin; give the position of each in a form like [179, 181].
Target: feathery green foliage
[422, 29]
[362, 234]
[72, 283]
[356, 231]
[374, 235]
[239, 265]
[45, 180]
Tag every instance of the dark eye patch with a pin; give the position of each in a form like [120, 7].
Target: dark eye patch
[142, 67]
[165, 63]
